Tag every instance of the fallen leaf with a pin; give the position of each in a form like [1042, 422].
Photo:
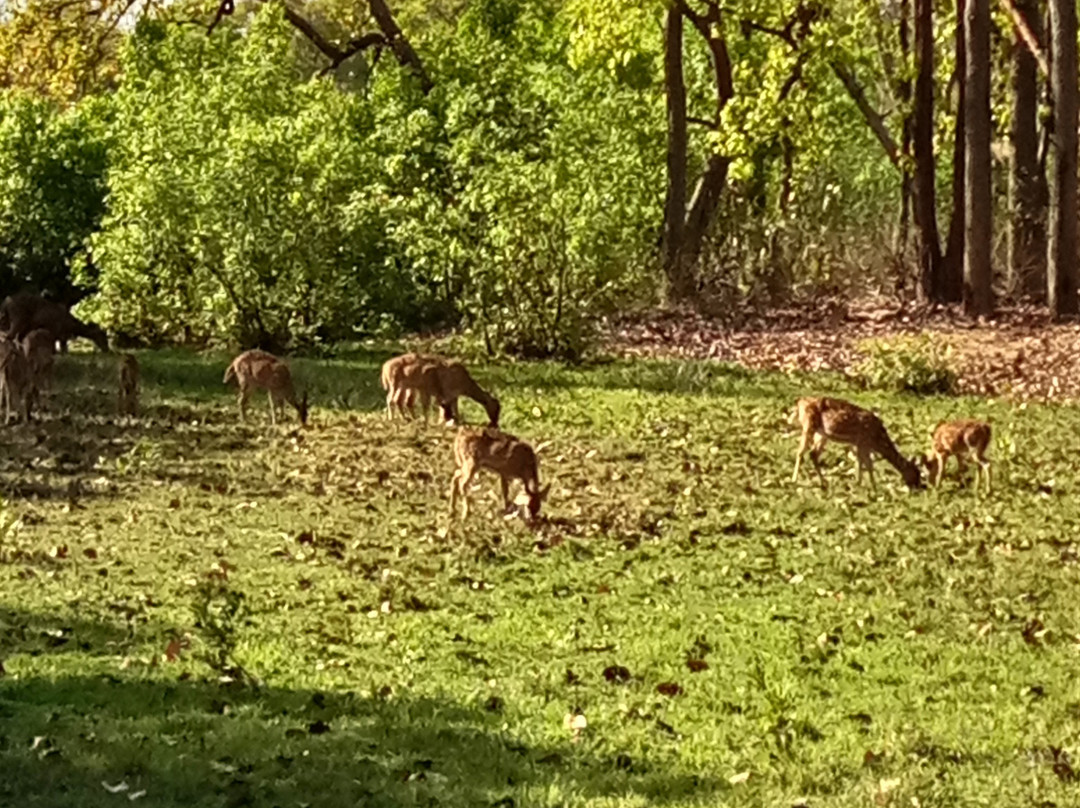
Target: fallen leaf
[741, 777]
[669, 689]
[114, 789]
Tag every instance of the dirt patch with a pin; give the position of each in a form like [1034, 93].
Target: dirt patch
[1019, 353]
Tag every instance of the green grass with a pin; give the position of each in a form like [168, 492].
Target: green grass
[859, 648]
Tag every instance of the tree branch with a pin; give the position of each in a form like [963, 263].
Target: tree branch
[873, 118]
[702, 122]
[1023, 28]
[389, 35]
[708, 25]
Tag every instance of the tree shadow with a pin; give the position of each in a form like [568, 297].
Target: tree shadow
[73, 741]
[34, 634]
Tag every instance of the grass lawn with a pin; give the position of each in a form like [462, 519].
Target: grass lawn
[729, 637]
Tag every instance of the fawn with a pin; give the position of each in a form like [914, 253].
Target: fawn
[128, 396]
[960, 439]
[428, 378]
[259, 370]
[506, 455]
[39, 347]
[825, 419]
[16, 380]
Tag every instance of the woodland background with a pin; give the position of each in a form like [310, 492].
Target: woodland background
[298, 174]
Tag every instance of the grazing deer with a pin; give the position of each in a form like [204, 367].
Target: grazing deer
[22, 313]
[128, 395]
[962, 439]
[429, 378]
[825, 419]
[16, 381]
[39, 347]
[506, 455]
[259, 370]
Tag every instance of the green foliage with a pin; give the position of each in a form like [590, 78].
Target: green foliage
[219, 611]
[229, 195]
[52, 196]
[921, 365]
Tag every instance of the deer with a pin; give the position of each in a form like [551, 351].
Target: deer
[960, 439]
[427, 377]
[22, 313]
[39, 347]
[16, 381]
[506, 455]
[128, 392]
[825, 419]
[259, 370]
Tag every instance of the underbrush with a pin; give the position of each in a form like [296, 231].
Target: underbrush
[685, 627]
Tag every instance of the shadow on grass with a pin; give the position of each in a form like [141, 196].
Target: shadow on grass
[62, 741]
[35, 634]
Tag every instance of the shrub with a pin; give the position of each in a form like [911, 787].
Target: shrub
[920, 365]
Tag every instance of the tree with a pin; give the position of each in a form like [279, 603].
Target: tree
[978, 199]
[64, 49]
[679, 276]
[1062, 250]
[1027, 183]
[685, 227]
[928, 244]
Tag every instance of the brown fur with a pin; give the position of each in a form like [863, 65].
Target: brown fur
[39, 347]
[16, 381]
[22, 313]
[128, 395]
[825, 419]
[962, 439]
[430, 378]
[506, 455]
[259, 370]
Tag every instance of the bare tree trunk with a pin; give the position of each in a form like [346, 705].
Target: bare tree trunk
[950, 287]
[929, 245]
[978, 200]
[1027, 186]
[903, 92]
[1062, 251]
[679, 281]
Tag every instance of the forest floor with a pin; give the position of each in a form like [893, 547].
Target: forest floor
[1018, 354]
[195, 612]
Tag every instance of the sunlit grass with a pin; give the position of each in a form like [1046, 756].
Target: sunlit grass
[730, 637]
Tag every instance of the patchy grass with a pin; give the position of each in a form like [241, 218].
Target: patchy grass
[731, 638]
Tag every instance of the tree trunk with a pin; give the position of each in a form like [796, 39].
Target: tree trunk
[978, 201]
[678, 271]
[1027, 186]
[903, 92]
[703, 207]
[1062, 251]
[928, 243]
[950, 287]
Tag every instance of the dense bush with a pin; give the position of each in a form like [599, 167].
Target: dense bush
[229, 195]
[52, 191]
[250, 205]
[919, 365]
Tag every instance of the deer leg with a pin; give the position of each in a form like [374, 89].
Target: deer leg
[804, 445]
[866, 462]
[463, 477]
[241, 402]
[425, 404]
[507, 504]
